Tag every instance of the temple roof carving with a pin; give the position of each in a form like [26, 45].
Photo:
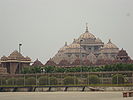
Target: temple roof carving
[37, 63]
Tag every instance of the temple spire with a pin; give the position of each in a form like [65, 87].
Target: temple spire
[109, 41]
[74, 40]
[87, 27]
[65, 43]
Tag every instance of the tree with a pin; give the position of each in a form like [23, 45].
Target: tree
[118, 79]
[70, 80]
[36, 69]
[93, 79]
[33, 69]
[50, 69]
[60, 69]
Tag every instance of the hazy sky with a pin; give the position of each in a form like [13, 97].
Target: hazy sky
[43, 26]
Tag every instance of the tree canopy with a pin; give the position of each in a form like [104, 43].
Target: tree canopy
[53, 69]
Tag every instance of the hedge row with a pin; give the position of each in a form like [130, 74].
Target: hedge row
[68, 80]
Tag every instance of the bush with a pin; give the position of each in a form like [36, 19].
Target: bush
[31, 81]
[2, 81]
[53, 81]
[20, 81]
[11, 81]
[93, 79]
[43, 80]
[118, 79]
[70, 80]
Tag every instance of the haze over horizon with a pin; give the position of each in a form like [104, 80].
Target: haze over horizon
[43, 26]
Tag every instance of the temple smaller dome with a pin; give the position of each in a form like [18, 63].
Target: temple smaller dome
[109, 45]
[74, 45]
[4, 58]
[74, 48]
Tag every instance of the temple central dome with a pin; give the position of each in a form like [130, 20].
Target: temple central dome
[87, 34]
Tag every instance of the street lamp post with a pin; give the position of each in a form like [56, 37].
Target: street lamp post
[19, 59]
[80, 56]
[117, 76]
[20, 47]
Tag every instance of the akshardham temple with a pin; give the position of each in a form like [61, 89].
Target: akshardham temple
[14, 63]
[88, 50]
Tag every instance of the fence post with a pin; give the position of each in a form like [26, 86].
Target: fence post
[24, 80]
[36, 79]
[88, 79]
[0, 81]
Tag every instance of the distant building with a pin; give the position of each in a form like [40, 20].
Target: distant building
[14, 62]
[87, 50]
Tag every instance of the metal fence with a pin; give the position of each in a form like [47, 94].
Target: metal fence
[80, 78]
